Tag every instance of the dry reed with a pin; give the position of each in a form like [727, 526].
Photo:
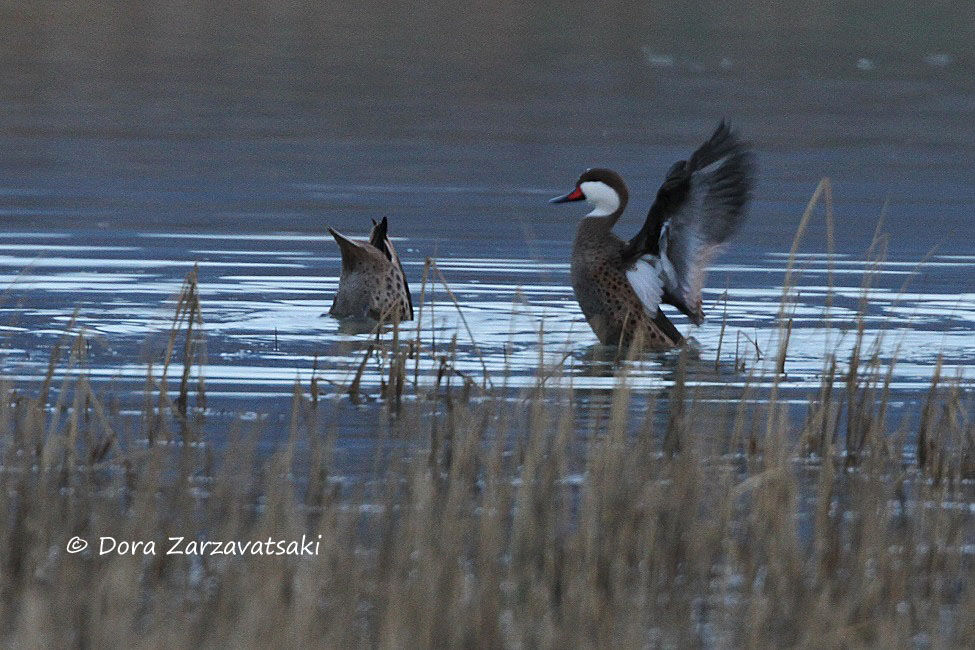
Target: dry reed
[496, 524]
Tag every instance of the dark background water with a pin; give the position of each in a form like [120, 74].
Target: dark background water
[256, 124]
[458, 118]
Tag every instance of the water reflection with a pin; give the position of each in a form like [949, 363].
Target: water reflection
[265, 326]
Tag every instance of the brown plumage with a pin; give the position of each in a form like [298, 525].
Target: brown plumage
[607, 298]
[372, 284]
[700, 206]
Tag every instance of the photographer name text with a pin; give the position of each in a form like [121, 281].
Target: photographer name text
[189, 546]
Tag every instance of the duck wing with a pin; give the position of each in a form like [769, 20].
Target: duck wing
[393, 257]
[699, 208]
[380, 239]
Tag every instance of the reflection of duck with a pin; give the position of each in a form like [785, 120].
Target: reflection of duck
[621, 285]
[372, 284]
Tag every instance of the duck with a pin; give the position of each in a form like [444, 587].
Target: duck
[373, 284]
[621, 285]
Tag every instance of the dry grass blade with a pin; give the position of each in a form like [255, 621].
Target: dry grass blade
[824, 193]
[463, 319]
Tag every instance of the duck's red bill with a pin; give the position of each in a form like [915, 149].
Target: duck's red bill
[574, 195]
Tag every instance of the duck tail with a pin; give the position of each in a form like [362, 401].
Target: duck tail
[352, 251]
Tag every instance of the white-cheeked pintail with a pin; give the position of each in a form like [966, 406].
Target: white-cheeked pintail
[621, 285]
[372, 284]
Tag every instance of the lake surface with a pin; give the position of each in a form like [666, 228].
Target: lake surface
[135, 143]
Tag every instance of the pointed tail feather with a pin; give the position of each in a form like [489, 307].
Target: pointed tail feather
[352, 251]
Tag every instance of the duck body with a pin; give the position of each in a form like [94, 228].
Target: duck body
[373, 284]
[605, 295]
[621, 285]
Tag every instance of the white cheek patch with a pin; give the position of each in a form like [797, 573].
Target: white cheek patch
[601, 197]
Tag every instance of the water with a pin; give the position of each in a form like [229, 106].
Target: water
[264, 297]
[138, 142]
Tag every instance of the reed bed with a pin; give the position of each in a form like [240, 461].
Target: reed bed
[496, 525]
[488, 519]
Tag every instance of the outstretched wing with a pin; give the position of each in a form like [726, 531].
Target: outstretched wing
[699, 207]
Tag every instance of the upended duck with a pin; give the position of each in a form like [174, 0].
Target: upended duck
[372, 284]
[621, 285]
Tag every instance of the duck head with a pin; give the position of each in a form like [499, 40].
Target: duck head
[603, 189]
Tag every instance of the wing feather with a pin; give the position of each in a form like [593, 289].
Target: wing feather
[645, 279]
[698, 209]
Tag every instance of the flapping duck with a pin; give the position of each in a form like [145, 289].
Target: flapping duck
[620, 285]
